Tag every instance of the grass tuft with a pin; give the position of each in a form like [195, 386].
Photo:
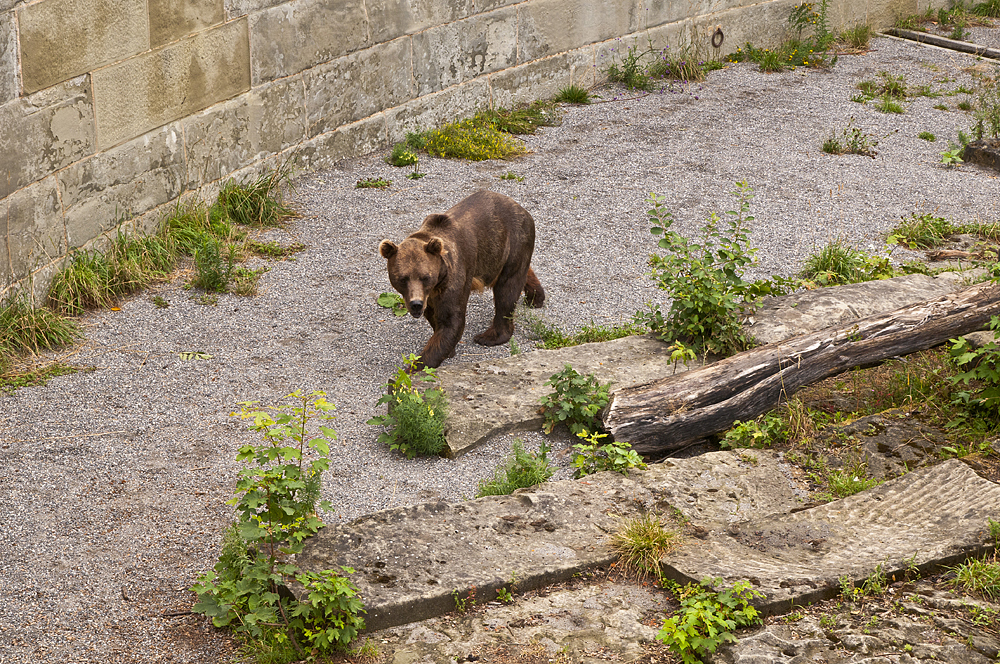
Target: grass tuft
[642, 541]
[27, 329]
[572, 94]
[520, 471]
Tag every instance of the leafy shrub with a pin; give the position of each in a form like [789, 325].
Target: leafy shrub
[414, 423]
[518, 472]
[759, 433]
[595, 455]
[276, 497]
[708, 618]
[576, 402]
[705, 279]
[402, 155]
[981, 365]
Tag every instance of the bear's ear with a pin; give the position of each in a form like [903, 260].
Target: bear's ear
[433, 246]
[437, 220]
[388, 249]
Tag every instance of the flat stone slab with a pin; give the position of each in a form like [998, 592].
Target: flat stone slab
[500, 396]
[926, 518]
[411, 563]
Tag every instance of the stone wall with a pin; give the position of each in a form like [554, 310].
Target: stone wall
[112, 110]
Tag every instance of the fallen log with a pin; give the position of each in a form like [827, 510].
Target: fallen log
[665, 415]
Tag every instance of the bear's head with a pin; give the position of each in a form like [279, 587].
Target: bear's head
[416, 269]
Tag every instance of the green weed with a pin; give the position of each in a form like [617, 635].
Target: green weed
[923, 231]
[473, 140]
[257, 201]
[978, 575]
[373, 183]
[851, 141]
[520, 471]
[27, 329]
[595, 455]
[12, 381]
[980, 374]
[402, 155]
[839, 263]
[708, 618]
[274, 249]
[576, 401]
[927, 136]
[553, 337]
[414, 423]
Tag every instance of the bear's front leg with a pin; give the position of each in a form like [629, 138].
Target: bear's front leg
[447, 333]
[506, 290]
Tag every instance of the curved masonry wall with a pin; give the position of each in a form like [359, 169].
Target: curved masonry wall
[112, 110]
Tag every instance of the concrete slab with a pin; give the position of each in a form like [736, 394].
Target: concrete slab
[925, 519]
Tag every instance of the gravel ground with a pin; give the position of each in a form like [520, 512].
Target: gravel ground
[113, 481]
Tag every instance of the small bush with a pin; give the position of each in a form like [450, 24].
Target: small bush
[576, 402]
[414, 423]
[596, 455]
[708, 618]
[520, 471]
[705, 279]
[402, 155]
[627, 67]
[980, 375]
[762, 432]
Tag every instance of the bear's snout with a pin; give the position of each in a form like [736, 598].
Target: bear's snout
[416, 308]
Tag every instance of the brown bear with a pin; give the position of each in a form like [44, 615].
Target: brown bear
[486, 240]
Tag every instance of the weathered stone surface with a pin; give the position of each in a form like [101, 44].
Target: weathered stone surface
[488, 398]
[9, 82]
[358, 85]
[61, 39]
[237, 8]
[44, 132]
[810, 311]
[410, 560]
[437, 109]
[394, 18]
[931, 516]
[543, 29]
[150, 90]
[350, 140]
[97, 193]
[170, 20]
[717, 489]
[300, 34]
[542, 79]
[450, 54]
[764, 24]
[32, 215]
[225, 138]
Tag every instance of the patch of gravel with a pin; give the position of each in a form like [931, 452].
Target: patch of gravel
[114, 481]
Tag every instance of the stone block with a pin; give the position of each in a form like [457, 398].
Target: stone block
[128, 180]
[61, 39]
[301, 34]
[394, 18]
[765, 25]
[547, 27]
[237, 8]
[44, 132]
[434, 110]
[251, 127]
[457, 52]
[351, 140]
[152, 89]
[9, 83]
[169, 20]
[358, 85]
[542, 79]
[31, 219]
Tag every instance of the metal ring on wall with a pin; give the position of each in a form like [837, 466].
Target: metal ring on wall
[718, 35]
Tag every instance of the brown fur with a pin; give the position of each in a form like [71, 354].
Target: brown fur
[485, 240]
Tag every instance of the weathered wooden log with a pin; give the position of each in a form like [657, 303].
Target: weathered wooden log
[667, 414]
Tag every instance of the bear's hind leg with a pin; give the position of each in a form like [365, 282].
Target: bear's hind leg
[534, 294]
